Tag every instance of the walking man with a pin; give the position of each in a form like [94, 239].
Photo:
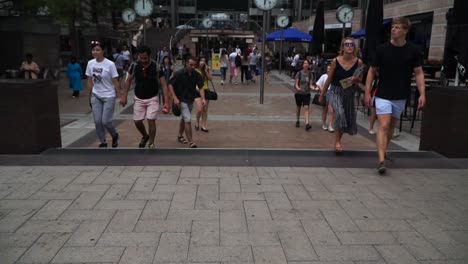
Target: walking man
[183, 86]
[395, 63]
[146, 106]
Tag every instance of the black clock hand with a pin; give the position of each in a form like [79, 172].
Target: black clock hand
[264, 3]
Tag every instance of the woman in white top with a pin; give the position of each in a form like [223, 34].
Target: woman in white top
[326, 107]
[103, 88]
[224, 65]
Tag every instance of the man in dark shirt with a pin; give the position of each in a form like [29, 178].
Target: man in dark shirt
[395, 63]
[183, 86]
[146, 101]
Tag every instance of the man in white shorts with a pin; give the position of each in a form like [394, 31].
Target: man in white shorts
[395, 61]
[146, 101]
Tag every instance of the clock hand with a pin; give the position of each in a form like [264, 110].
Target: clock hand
[264, 3]
[144, 4]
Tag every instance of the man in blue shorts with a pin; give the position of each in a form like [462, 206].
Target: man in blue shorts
[395, 61]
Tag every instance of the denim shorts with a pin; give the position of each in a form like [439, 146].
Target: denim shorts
[386, 107]
[186, 111]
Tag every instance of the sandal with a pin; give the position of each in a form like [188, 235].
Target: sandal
[338, 150]
[182, 140]
[192, 145]
[204, 129]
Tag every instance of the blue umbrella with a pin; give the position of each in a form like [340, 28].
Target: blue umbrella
[290, 35]
[361, 34]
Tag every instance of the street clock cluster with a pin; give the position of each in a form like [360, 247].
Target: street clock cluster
[143, 8]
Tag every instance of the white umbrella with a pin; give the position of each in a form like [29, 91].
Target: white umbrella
[185, 27]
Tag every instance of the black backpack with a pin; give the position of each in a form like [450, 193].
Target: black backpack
[238, 61]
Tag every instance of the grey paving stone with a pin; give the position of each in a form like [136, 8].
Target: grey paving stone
[226, 254]
[86, 187]
[219, 205]
[272, 226]
[205, 233]
[129, 240]
[11, 254]
[168, 177]
[269, 254]
[24, 191]
[320, 233]
[231, 185]
[238, 196]
[21, 204]
[190, 172]
[432, 233]
[257, 210]
[12, 221]
[359, 213]
[86, 201]
[128, 178]
[198, 181]
[396, 254]
[155, 210]
[45, 248]
[86, 177]
[162, 168]
[233, 221]
[418, 246]
[249, 239]
[117, 192]
[277, 201]
[246, 179]
[296, 214]
[349, 252]
[173, 247]
[88, 254]
[87, 234]
[120, 205]
[54, 195]
[17, 240]
[297, 247]
[459, 251]
[339, 220]
[184, 198]
[261, 188]
[52, 210]
[445, 261]
[331, 196]
[156, 196]
[290, 181]
[57, 184]
[124, 221]
[164, 226]
[347, 188]
[144, 184]
[91, 215]
[207, 192]
[383, 225]
[138, 255]
[460, 237]
[315, 205]
[193, 215]
[48, 227]
[296, 192]
[403, 214]
[366, 238]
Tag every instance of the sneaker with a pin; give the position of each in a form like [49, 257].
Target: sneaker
[236, 83]
[151, 146]
[297, 124]
[371, 131]
[396, 134]
[222, 82]
[308, 127]
[324, 127]
[331, 129]
[381, 168]
[115, 140]
[143, 142]
[103, 145]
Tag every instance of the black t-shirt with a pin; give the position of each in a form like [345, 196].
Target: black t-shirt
[396, 66]
[185, 85]
[146, 80]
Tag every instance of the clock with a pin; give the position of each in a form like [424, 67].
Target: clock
[345, 14]
[282, 21]
[265, 4]
[143, 8]
[207, 23]
[128, 15]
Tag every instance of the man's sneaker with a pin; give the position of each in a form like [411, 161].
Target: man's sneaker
[324, 127]
[395, 134]
[103, 145]
[308, 127]
[381, 168]
[297, 124]
[143, 142]
[151, 146]
[115, 140]
[331, 129]
[371, 131]
[222, 82]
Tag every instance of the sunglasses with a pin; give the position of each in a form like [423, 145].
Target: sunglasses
[348, 44]
[95, 42]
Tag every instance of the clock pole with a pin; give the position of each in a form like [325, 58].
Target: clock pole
[262, 81]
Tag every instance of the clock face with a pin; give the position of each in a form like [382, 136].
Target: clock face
[345, 14]
[265, 4]
[144, 8]
[207, 23]
[128, 15]
[282, 21]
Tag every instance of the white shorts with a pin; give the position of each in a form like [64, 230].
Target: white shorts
[386, 107]
[145, 108]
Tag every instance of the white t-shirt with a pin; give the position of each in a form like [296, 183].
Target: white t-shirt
[232, 59]
[295, 60]
[253, 59]
[322, 80]
[102, 74]
[126, 54]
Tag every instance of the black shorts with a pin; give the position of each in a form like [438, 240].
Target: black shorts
[302, 99]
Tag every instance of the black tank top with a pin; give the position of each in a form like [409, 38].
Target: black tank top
[341, 73]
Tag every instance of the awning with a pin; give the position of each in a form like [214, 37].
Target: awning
[361, 34]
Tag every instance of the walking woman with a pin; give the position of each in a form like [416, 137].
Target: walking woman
[103, 88]
[74, 74]
[245, 68]
[202, 111]
[167, 69]
[342, 80]
[224, 65]
[304, 84]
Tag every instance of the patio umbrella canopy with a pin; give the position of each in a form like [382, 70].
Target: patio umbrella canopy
[288, 35]
[361, 34]
[374, 29]
[318, 33]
